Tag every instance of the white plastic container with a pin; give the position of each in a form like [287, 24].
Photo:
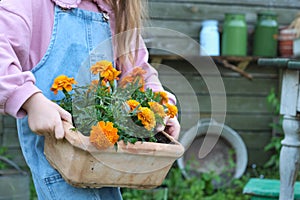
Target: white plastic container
[209, 38]
[296, 47]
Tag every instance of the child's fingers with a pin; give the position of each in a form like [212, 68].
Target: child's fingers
[65, 115]
[59, 131]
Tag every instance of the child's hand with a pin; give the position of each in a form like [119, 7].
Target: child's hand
[173, 127]
[45, 116]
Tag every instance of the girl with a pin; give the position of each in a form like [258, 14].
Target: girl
[41, 39]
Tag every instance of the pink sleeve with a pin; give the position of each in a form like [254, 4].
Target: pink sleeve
[16, 85]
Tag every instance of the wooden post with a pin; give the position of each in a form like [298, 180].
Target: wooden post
[290, 152]
[289, 157]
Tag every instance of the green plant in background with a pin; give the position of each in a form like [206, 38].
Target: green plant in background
[204, 186]
[273, 101]
[33, 195]
[194, 187]
[275, 143]
[177, 187]
[3, 152]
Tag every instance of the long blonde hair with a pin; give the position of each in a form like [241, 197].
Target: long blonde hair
[129, 16]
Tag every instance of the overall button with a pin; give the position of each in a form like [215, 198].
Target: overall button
[105, 16]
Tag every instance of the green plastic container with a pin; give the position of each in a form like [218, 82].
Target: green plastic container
[265, 35]
[267, 189]
[234, 37]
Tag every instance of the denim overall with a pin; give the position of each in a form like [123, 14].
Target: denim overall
[76, 33]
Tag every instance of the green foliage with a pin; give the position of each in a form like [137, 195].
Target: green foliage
[66, 101]
[273, 101]
[3, 152]
[275, 143]
[33, 195]
[275, 146]
[177, 187]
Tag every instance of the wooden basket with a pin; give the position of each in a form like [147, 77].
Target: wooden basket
[141, 165]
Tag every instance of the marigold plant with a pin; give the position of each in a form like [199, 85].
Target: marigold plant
[107, 113]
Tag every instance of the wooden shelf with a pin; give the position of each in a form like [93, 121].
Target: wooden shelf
[235, 63]
[229, 58]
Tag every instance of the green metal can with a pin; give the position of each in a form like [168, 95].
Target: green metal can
[265, 35]
[235, 34]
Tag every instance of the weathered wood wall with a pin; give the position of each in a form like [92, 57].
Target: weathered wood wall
[247, 112]
[9, 139]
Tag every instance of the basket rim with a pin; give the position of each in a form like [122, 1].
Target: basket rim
[77, 139]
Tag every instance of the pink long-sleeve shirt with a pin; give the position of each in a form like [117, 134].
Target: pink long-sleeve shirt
[25, 33]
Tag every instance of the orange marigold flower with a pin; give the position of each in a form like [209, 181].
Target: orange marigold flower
[138, 72]
[172, 110]
[106, 70]
[111, 74]
[93, 85]
[164, 97]
[62, 82]
[147, 117]
[157, 108]
[103, 135]
[94, 82]
[101, 66]
[103, 82]
[125, 80]
[132, 104]
[142, 85]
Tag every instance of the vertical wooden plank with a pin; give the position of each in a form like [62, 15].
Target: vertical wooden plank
[1, 129]
[289, 157]
[289, 93]
[298, 100]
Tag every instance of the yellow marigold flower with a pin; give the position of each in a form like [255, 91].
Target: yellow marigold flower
[103, 135]
[172, 110]
[157, 108]
[106, 70]
[62, 82]
[147, 117]
[164, 97]
[132, 104]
